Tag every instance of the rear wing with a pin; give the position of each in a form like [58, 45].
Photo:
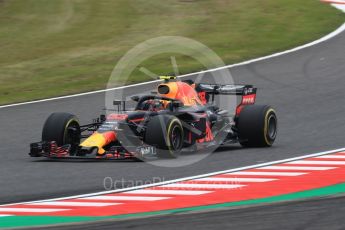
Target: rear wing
[248, 92]
[215, 89]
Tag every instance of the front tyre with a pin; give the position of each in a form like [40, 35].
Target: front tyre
[257, 126]
[63, 128]
[166, 134]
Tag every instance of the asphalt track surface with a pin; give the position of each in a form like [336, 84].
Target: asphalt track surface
[314, 214]
[305, 87]
[307, 90]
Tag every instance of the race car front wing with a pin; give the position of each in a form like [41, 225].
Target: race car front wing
[52, 150]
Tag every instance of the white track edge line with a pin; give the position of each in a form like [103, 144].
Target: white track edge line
[263, 173]
[179, 192]
[125, 198]
[185, 178]
[339, 30]
[302, 168]
[32, 210]
[235, 179]
[75, 204]
[203, 186]
[332, 157]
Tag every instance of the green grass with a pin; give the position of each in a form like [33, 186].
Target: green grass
[59, 47]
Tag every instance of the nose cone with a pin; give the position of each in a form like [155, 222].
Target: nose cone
[99, 140]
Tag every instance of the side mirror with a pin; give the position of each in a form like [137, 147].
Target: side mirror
[116, 103]
[135, 98]
[102, 118]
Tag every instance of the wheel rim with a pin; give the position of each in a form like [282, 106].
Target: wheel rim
[176, 138]
[272, 127]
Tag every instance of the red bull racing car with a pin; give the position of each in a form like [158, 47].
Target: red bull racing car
[179, 116]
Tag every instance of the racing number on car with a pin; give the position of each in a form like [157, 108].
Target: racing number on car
[189, 101]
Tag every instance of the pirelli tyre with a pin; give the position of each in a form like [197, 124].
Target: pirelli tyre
[165, 132]
[63, 128]
[257, 126]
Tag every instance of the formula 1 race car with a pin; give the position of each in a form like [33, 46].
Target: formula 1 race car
[181, 115]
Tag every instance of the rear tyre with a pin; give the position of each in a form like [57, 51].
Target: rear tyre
[166, 134]
[63, 128]
[257, 126]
